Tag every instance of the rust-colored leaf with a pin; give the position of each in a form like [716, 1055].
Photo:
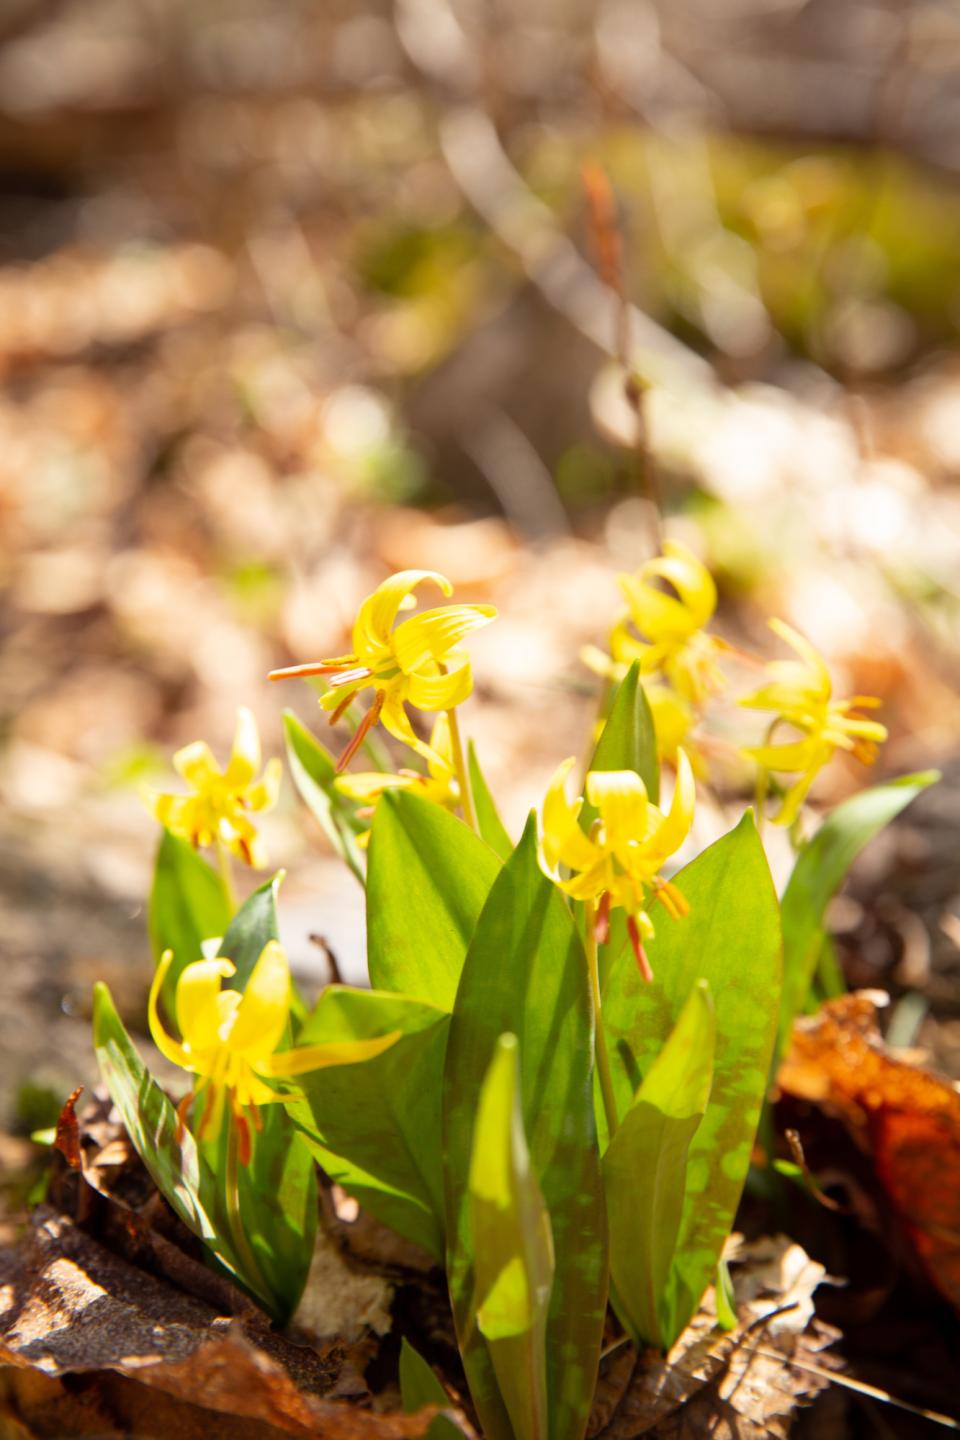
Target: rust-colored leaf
[905, 1117]
[67, 1138]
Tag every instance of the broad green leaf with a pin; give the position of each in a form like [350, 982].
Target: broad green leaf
[314, 771]
[419, 1386]
[628, 740]
[491, 827]
[278, 1202]
[513, 1246]
[428, 879]
[375, 1126]
[817, 875]
[731, 938]
[645, 1168]
[526, 974]
[254, 924]
[187, 906]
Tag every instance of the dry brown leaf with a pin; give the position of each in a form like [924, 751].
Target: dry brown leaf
[738, 1385]
[70, 1307]
[905, 1117]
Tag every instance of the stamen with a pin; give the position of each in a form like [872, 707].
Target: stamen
[245, 1149]
[209, 1109]
[638, 950]
[601, 924]
[363, 730]
[315, 667]
[182, 1109]
[348, 677]
[344, 705]
[675, 904]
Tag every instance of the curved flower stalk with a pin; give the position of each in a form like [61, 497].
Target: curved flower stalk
[618, 862]
[801, 694]
[439, 784]
[417, 662]
[218, 812]
[229, 1041]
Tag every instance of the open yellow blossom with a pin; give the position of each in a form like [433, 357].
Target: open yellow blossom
[218, 812]
[801, 694]
[670, 627]
[439, 784]
[229, 1040]
[619, 861]
[416, 661]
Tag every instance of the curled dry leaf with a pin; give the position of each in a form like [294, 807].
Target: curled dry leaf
[905, 1117]
[70, 1307]
[741, 1384]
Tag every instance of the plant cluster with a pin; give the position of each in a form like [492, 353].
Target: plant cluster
[555, 1081]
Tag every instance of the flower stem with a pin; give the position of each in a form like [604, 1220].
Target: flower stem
[226, 875]
[603, 1058]
[463, 775]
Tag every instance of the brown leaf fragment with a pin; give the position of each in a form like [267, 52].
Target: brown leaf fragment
[67, 1138]
[905, 1117]
[740, 1385]
[71, 1308]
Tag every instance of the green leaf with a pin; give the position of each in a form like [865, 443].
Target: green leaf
[254, 924]
[375, 1126]
[645, 1169]
[188, 905]
[731, 938]
[419, 1387]
[817, 875]
[726, 1299]
[492, 828]
[427, 882]
[526, 973]
[628, 740]
[277, 1192]
[513, 1246]
[314, 771]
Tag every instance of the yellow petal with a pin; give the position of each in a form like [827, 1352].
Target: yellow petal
[171, 1049]
[676, 824]
[562, 840]
[197, 990]
[263, 1012]
[184, 815]
[621, 798]
[304, 1058]
[806, 651]
[432, 634]
[656, 614]
[368, 785]
[373, 628]
[689, 577]
[441, 768]
[798, 755]
[263, 795]
[245, 756]
[441, 692]
[196, 764]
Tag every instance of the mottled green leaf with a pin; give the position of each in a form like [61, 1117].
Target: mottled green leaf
[375, 1126]
[731, 938]
[188, 905]
[427, 882]
[513, 1246]
[254, 924]
[314, 771]
[645, 1169]
[817, 875]
[526, 973]
[491, 827]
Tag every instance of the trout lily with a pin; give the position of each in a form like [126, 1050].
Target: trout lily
[618, 862]
[229, 1040]
[439, 784]
[416, 662]
[218, 812]
[801, 694]
[672, 641]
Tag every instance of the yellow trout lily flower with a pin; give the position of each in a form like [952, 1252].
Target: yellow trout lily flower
[801, 693]
[229, 1040]
[672, 641]
[416, 661]
[618, 862]
[439, 784]
[219, 809]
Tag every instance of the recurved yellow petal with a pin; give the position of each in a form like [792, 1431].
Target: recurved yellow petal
[373, 628]
[198, 991]
[432, 634]
[171, 1049]
[265, 1007]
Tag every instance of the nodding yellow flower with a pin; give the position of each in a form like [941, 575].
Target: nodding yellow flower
[618, 862]
[801, 693]
[416, 661]
[439, 784]
[219, 810]
[228, 1040]
[672, 641]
